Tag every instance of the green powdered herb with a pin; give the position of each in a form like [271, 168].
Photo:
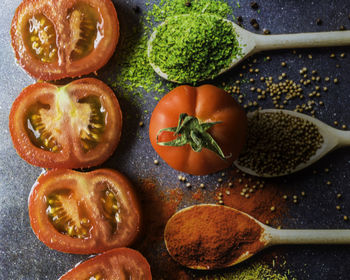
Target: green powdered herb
[195, 47]
[254, 272]
[134, 76]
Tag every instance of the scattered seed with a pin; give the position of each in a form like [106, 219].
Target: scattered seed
[273, 208]
[156, 162]
[141, 124]
[338, 207]
[285, 197]
[345, 218]
[342, 27]
[201, 186]
[188, 185]
[266, 31]
[283, 64]
[329, 183]
[332, 55]
[335, 80]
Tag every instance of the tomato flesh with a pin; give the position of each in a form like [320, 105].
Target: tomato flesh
[66, 215]
[84, 23]
[120, 263]
[73, 126]
[40, 38]
[84, 213]
[65, 38]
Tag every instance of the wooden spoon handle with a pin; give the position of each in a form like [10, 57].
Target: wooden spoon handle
[344, 138]
[302, 40]
[305, 236]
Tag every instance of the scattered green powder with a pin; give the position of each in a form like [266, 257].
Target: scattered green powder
[134, 76]
[192, 48]
[253, 272]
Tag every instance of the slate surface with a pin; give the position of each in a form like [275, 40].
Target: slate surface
[23, 256]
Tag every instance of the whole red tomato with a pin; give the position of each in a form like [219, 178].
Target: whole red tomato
[198, 130]
[84, 212]
[73, 126]
[64, 38]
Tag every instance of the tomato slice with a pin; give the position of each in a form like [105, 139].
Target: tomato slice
[190, 124]
[120, 263]
[73, 126]
[84, 213]
[64, 38]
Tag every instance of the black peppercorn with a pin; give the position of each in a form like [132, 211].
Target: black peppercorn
[267, 31]
[256, 25]
[254, 5]
[239, 19]
[136, 9]
[319, 21]
[253, 21]
[188, 4]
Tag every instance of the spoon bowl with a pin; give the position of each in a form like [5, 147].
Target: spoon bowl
[251, 43]
[268, 236]
[332, 139]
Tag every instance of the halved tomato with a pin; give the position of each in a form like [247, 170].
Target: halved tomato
[120, 263]
[64, 38]
[73, 126]
[84, 213]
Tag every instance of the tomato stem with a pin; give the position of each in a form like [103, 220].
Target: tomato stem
[191, 131]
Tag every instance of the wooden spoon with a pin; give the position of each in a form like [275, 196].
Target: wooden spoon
[268, 235]
[332, 139]
[252, 43]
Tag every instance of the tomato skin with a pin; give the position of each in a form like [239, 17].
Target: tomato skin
[65, 126]
[56, 12]
[209, 104]
[85, 192]
[120, 263]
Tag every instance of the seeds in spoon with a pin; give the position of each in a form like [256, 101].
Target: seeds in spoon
[191, 48]
[277, 143]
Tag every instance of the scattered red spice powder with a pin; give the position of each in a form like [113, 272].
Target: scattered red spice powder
[265, 203]
[157, 207]
[198, 195]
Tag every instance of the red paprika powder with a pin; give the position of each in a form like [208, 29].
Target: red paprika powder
[211, 236]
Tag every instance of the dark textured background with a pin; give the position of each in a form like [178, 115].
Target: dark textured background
[23, 256]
